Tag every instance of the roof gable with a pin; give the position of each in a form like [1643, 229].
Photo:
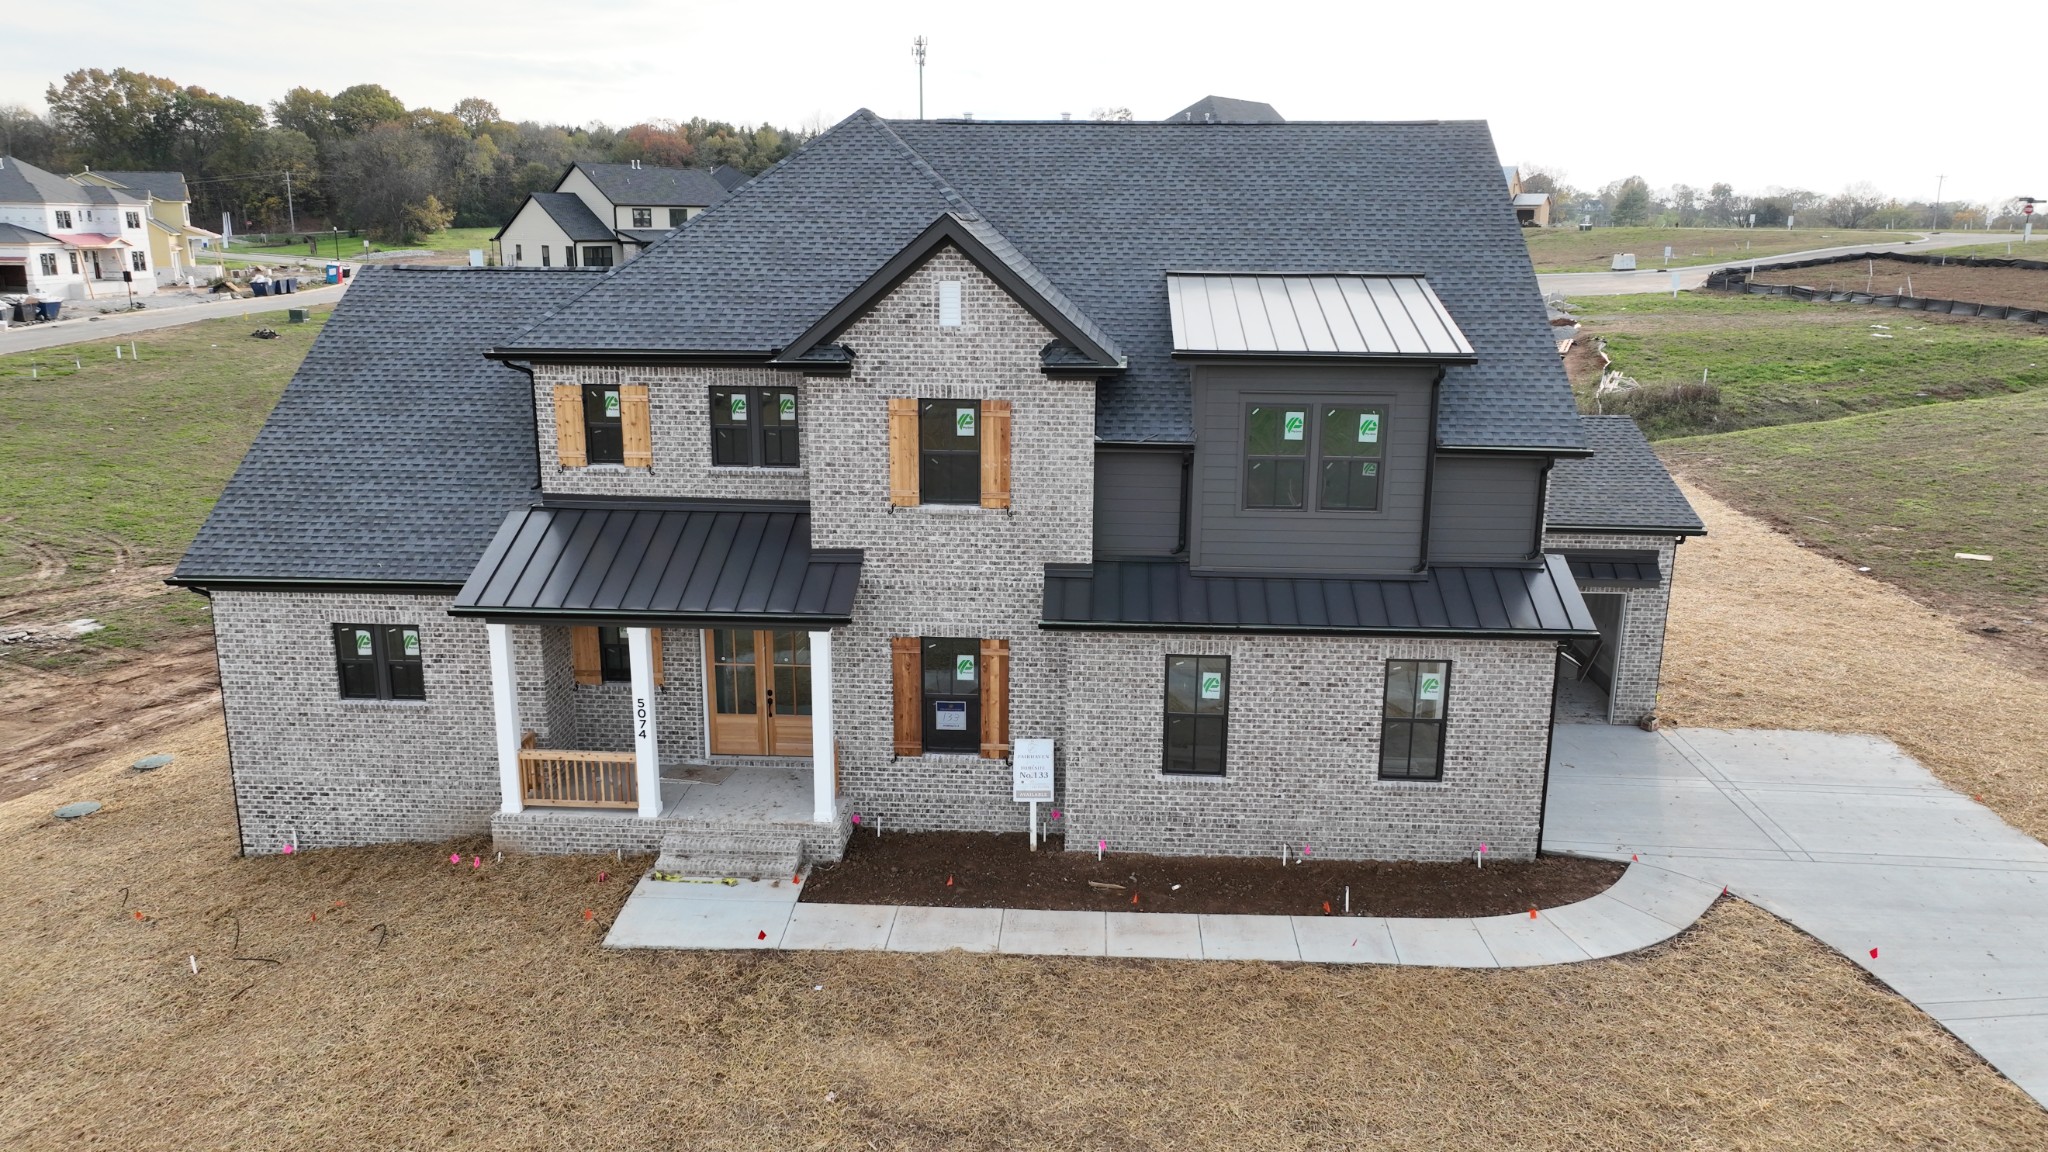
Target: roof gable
[1224, 110]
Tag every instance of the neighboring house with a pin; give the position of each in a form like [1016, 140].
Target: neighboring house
[1532, 209]
[602, 215]
[894, 461]
[174, 241]
[1224, 110]
[101, 234]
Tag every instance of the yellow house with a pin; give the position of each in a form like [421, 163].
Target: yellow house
[173, 240]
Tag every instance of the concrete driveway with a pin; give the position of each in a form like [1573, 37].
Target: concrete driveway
[1849, 839]
[1654, 279]
[29, 337]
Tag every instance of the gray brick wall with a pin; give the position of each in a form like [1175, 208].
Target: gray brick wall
[947, 571]
[679, 416]
[1639, 659]
[1303, 750]
[315, 770]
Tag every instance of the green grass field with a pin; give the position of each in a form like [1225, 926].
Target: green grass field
[1902, 492]
[1773, 361]
[115, 463]
[1569, 250]
[450, 240]
[2008, 246]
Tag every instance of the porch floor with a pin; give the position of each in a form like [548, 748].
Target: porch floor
[742, 793]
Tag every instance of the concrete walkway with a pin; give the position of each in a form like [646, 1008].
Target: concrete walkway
[1646, 906]
[1847, 838]
[122, 325]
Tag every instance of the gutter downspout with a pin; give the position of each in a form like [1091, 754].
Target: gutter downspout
[533, 411]
[1429, 470]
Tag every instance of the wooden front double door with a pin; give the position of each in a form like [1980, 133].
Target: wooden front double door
[759, 684]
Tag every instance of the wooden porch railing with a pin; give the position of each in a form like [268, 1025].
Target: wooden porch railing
[563, 778]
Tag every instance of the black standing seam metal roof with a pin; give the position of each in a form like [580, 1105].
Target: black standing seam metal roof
[1622, 487]
[1638, 568]
[706, 563]
[1102, 211]
[1163, 595]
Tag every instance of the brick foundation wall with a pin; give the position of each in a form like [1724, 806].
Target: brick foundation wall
[315, 770]
[1639, 660]
[1303, 750]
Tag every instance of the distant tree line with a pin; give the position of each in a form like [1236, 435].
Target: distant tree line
[357, 159]
[1633, 202]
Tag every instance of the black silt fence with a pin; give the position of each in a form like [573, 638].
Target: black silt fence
[1737, 280]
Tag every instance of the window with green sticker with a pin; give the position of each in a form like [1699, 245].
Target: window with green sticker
[1275, 455]
[1412, 719]
[1313, 457]
[379, 661]
[754, 427]
[1197, 714]
[604, 435]
[1348, 464]
[949, 451]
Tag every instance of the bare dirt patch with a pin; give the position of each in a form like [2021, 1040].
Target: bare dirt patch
[1766, 634]
[2009, 287]
[986, 870]
[55, 723]
[380, 998]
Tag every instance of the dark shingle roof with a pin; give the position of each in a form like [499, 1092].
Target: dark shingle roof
[676, 187]
[162, 185]
[729, 177]
[27, 184]
[1134, 595]
[1224, 110]
[1622, 487]
[1103, 211]
[16, 234]
[397, 448]
[572, 216]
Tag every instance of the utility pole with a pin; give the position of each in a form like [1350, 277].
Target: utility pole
[291, 213]
[917, 48]
[1938, 182]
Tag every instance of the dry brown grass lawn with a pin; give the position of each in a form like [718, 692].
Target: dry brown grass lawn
[389, 1000]
[1765, 634]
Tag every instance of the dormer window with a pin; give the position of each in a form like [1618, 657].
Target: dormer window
[1341, 446]
[643, 217]
[603, 425]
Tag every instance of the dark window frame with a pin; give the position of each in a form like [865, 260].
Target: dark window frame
[939, 479]
[1190, 765]
[597, 256]
[1313, 459]
[604, 436]
[139, 260]
[48, 263]
[677, 217]
[546, 257]
[643, 217]
[387, 672]
[134, 219]
[63, 218]
[1407, 724]
[614, 656]
[942, 682]
[757, 442]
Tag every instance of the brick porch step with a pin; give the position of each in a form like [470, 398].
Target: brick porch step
[715, 854]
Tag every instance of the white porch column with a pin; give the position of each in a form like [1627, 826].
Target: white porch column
[505, 702]
[646, 747]
[824, 807]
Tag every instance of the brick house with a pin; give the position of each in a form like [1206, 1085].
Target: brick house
[1234, 489]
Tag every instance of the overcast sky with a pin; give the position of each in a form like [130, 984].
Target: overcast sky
[1615, 90]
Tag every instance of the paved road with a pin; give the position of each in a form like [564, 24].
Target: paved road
[1659, 279]
[1847, 838]
[28, 338]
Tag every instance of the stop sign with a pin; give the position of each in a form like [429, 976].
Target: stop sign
[2027, 209]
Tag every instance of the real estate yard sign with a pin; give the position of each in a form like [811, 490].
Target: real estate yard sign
[1031, 771]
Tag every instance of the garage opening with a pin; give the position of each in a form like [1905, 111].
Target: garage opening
[1585, 668]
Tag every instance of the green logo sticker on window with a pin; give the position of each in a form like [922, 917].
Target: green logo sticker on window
[1368, 427]
[1212, 685]
[1370, 467]
[739, 405]
[1430, 686]
[611, 404]
[411, 641]
[1292, 426]
[362, 643]
[963, 421]
[787, 407]
[963, 668]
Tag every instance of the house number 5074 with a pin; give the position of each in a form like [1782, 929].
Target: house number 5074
[640, 715]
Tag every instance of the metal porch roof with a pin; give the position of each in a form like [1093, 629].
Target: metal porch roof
[1163, 595]
[1314, 315]
[1644, 569]
[709, 563]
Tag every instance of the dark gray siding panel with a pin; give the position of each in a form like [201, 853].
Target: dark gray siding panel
[1483, 509]
[1225, 536]
[1137, 501]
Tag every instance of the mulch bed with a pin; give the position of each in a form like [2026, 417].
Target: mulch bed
[2008, 287]
[986, 870]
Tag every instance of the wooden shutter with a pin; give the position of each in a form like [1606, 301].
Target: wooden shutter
[636, 426]
[902, 453]
[584, 657]
[906, 657]
[995, 699]
[995, 455]
[654, 641]
[569, 426]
